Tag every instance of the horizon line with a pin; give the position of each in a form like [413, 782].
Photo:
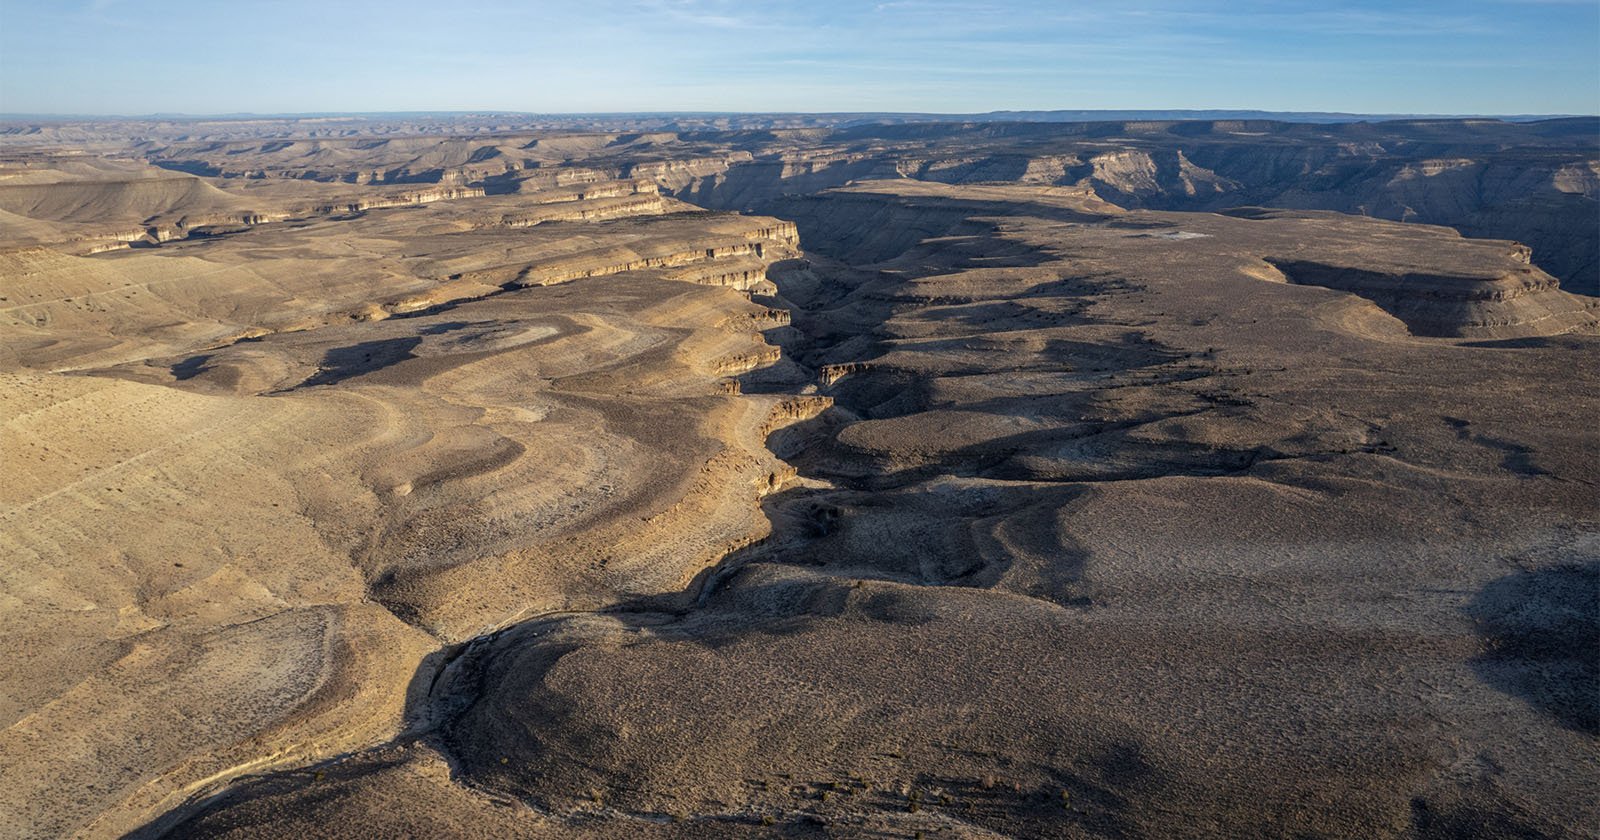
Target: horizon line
[23, 116]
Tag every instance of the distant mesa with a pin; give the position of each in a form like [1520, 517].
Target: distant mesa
[1519, 303]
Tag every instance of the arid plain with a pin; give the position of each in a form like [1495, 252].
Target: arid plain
[801, 479]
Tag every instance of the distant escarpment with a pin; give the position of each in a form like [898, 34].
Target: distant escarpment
[1537, 183]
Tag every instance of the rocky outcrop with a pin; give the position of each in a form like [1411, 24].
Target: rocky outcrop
[584, 208]
[677, 174]
[1518, 303]
[1125, 178]
[404, 199]
[740, 264]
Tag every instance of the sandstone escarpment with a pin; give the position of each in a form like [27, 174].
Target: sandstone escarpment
[677, 174]
[403, 199]
[1519, 303]
[586, 207]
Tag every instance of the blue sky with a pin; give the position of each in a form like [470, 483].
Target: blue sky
[273, 56]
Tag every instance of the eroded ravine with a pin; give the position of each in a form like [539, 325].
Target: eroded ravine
[1084, 501]
[240, 482]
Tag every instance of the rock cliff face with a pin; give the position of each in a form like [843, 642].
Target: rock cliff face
[674, 175]
[1135, 178]
[1511, 304]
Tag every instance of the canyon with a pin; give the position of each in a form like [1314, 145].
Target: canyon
[800, 477]
[1534, 182]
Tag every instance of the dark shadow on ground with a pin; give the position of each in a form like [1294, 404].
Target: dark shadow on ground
[1543, 632]
[343, 363]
